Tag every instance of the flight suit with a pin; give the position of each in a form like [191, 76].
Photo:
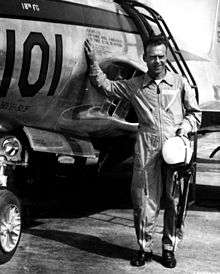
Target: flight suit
[161, 110]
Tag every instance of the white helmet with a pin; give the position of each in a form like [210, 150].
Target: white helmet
[177, 150]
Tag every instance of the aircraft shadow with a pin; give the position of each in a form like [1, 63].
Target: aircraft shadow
[207, 198]
[74, 203]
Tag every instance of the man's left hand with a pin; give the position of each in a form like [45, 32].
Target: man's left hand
[181, 132]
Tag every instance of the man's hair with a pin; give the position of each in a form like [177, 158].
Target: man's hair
[155, 40]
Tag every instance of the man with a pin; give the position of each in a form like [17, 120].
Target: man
[166, 106]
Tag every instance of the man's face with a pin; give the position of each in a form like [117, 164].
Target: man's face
[156, 59]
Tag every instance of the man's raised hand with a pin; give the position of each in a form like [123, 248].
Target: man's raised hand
[90, 51]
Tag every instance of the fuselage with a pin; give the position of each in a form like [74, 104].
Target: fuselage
[43, 69]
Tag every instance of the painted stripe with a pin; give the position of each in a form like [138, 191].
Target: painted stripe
[66, 13]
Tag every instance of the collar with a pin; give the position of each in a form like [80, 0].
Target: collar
[168, 78]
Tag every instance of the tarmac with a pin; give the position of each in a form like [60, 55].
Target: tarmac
[90, 229]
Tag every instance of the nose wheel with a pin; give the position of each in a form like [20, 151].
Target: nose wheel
[10, 225]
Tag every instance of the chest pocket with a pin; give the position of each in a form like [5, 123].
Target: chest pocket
[168, 97]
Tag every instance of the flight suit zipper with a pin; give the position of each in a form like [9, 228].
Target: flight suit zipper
[159, 113]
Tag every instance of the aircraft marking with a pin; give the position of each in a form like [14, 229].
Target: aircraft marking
[33, 39]
[9, 62]
[27, 6]
[13, 107]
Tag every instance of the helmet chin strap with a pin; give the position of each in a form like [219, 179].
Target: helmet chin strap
[185, 160]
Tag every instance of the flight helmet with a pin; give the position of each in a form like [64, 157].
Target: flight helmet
[177, 150]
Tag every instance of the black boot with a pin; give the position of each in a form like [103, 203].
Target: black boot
[140, 258]
[169, 259]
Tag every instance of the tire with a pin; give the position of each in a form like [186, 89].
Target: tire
[10, 225]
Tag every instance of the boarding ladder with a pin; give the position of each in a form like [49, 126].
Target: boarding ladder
[144, 24]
